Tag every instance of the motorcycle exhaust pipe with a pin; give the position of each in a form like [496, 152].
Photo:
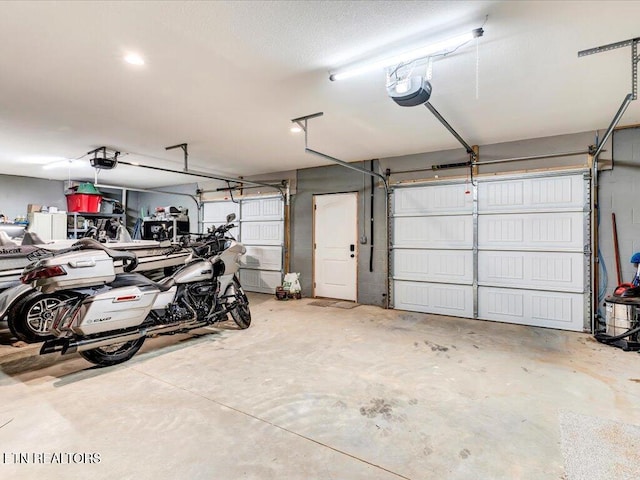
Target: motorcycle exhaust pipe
[67, 346]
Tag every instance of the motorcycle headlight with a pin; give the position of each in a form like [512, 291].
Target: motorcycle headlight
[227, 244]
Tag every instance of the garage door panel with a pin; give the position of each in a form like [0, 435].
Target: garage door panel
[454, 300]
[263, 209]
[438, 200]
[216, 212]
[534, 270]
[262, 258]
[434, 232]
[562, 231]
[445, 266]
[260, 281]
[235, 231]
[560, 310]
[530, 241]
[533, 194]
[261, 230]
[262, 233]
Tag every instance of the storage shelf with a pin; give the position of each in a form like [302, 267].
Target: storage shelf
[83, 214]
[73, 232]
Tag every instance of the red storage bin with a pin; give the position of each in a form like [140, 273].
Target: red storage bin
[83, 202]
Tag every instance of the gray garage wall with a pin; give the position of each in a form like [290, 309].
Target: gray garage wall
[17, 192]
[337, 179]
[522, 148]
[619, 193]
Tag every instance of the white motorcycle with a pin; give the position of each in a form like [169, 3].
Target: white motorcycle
[106, 317]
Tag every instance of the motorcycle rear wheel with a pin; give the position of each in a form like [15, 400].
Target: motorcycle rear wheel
[113, 354]
[241, 313]
[31, 317]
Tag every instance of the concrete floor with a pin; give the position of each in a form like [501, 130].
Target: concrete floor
[312, 392]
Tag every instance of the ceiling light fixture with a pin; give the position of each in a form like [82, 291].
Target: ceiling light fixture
[134, 59]
[438, 48]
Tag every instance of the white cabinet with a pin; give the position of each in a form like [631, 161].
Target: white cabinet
[48, 226]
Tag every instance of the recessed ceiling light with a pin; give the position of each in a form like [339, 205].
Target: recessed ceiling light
[295, 129]
[134, 59]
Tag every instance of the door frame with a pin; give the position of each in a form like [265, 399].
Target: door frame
[313, 240]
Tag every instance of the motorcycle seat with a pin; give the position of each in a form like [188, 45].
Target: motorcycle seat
[137, 280]
[129, 258]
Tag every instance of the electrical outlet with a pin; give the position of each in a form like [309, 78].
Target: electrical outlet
[363, 239]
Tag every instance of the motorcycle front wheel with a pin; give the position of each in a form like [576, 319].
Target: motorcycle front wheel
[240, 313]
[113, 354]
[31, 318]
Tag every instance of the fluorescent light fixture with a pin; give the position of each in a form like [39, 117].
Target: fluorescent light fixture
[444, 46]
[133, 59]
[295, 129]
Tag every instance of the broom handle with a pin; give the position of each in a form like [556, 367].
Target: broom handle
[615, 247]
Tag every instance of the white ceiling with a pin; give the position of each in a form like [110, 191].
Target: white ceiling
[227, 77]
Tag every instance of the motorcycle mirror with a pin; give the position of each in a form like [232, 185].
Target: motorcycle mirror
[231, 217]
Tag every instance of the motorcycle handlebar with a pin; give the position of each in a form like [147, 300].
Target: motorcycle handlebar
[130, 264]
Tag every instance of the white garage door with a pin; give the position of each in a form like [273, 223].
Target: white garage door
[433, 249]
[532, 235]
[261, 231]
[529, 262]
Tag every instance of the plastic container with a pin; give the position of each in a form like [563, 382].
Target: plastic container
[83, 202]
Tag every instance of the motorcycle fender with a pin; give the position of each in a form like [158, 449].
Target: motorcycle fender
[11, 295]
[115, 309]
[225, 281]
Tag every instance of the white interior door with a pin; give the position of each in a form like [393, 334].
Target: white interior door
[336, 246]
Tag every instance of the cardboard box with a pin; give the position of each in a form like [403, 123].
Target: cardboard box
[33, 207]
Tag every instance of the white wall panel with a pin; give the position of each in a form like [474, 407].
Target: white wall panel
[454, 300]
[532, 194]
[435, 199]
[262, 258]
[533, 270]
[448, 266]
[562, 231]
[260, 280]
[560, 310]
[433, 232]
